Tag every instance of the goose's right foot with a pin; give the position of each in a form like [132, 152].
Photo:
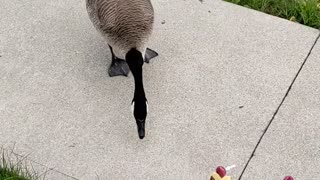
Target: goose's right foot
[118, 67]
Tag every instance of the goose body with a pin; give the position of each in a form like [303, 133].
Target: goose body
[126, 25]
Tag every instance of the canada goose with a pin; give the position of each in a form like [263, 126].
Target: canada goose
[126, 26]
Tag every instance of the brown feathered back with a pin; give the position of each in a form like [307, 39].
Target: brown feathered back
[125, 24]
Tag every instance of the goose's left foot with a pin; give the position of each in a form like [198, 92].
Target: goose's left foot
[118, 67]
[150, 54]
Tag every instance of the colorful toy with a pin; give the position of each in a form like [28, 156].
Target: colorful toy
[220, 174]
[288, 178]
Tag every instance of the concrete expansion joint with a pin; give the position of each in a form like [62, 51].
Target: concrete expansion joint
[282, 101]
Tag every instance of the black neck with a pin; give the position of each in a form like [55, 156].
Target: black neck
[138, 81]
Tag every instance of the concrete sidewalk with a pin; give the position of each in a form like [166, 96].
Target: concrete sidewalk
[222, 73]
[291, 146]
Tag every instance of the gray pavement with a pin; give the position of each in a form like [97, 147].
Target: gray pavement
[292, 145]
[222, 72]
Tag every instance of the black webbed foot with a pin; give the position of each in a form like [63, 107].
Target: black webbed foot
[150, 54]
[118, 67]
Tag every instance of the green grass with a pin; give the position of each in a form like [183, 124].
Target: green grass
[14, 171]
[306, 12]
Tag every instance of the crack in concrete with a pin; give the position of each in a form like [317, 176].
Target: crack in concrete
[48, 169]
[52, 169]
[276, 112]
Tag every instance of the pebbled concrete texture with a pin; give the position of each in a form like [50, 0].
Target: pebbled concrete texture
[291, 146]
[217, 82]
